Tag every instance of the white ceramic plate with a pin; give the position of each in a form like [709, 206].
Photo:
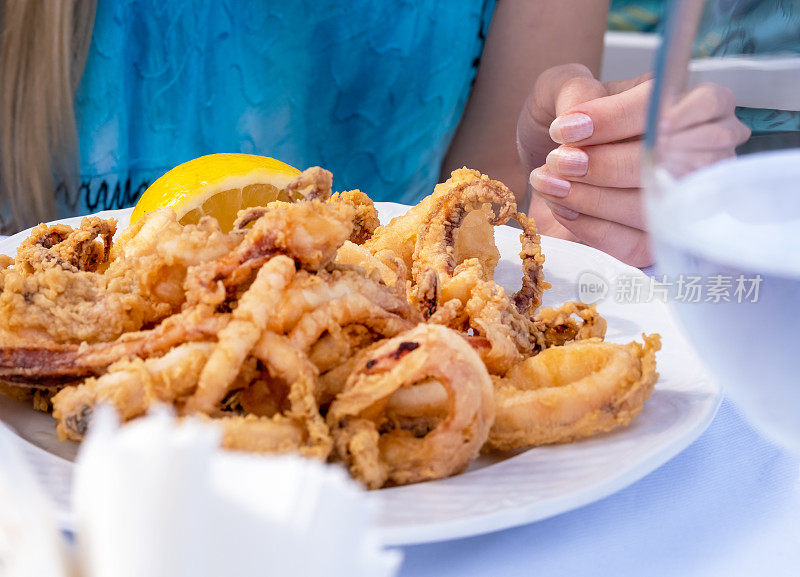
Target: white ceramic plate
[498, 492]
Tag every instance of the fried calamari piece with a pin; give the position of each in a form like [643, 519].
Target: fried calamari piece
[313, 183]
[483, 306]
[400, 234]
[141, 284]
[334, 332]
[528, 298]
[273, 435]
[308, 232]
[131, 386]
[376, 448]
[435, 244]
[512, 336]
[351, 309]
[374, 267]
[332, 382]
[573, 391]
[290, 365]
[308, 292]
[331, 349]
[44, 364]
[558, 326]
[248, 322]
[366, 217]
[62, 246]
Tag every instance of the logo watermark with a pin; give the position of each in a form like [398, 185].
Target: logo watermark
[685, 288]
[592, 288]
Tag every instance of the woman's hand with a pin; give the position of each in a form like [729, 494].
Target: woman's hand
[589, 133]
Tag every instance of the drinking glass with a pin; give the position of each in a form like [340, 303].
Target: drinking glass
[725, 218]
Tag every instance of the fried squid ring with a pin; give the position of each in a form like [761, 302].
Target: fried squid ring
[375, 448]
[570, 392]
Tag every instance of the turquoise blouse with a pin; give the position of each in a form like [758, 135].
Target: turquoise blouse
[371, 90]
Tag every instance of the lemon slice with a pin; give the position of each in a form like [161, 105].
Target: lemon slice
[217, 185]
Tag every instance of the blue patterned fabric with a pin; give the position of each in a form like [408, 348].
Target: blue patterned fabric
[370, 90]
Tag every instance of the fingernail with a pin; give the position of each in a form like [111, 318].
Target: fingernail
[544, 182]
[563, 211]
[571, 128]
[568, 161]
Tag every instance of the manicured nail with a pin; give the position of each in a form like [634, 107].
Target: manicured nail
[571, 128]
[563, 211]
[568, 161]
[544, 182]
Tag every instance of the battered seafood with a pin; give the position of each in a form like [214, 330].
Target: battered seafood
[46, 296]
[400, 234]
[578, 390]
[309, 328]
[374, 438]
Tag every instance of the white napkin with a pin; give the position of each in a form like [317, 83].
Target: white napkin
[158, 497]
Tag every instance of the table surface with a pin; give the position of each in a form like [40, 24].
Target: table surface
[728, 505]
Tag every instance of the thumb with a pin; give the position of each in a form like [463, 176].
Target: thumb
[557, 89]
[576, 91]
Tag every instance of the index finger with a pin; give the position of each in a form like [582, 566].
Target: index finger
[606, 119]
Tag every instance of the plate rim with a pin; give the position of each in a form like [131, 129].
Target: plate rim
[492, 522]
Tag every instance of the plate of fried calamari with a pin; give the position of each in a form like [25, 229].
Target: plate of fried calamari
[440, 357]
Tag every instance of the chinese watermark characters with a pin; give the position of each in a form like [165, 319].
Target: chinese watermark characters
[685, 288]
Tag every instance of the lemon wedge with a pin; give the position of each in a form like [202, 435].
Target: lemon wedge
[218, 185]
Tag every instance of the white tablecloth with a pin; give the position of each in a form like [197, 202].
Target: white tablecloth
[729, 505]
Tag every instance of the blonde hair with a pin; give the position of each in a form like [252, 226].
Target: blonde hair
[43, 48]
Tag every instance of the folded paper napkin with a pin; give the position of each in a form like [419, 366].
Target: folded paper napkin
[157, 497]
